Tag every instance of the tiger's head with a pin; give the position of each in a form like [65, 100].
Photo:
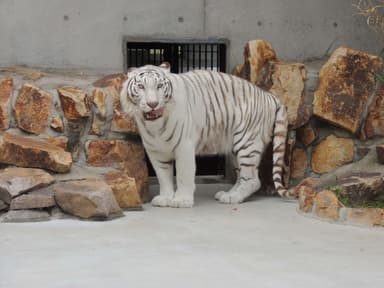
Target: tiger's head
[147, 91]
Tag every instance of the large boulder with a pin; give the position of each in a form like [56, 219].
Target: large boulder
[6, 91]
[124, 188]
[74, 102]
[32, 109]
[87, 199]
[327, 205]
[332, 153]
[16, 181]
[36, 199]
[287, 81]
[360, 189]
[27, 152]
[21, 216]
[347, 83]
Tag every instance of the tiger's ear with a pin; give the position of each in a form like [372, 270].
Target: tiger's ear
[166, 66]
[130, 70]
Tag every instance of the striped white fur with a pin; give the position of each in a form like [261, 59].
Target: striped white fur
[181, 115]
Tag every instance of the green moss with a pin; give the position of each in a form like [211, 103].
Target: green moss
[377, 203]
[380, 78]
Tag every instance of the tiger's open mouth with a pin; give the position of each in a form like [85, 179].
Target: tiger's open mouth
[154, 114]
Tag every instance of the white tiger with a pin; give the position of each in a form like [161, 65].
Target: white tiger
[181, 115]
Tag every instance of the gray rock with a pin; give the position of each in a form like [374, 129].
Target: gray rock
[3, 206]
[16, 181]
[20, 216]
[34, 200]
[87, 199]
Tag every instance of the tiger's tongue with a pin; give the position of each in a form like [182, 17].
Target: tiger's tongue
[154, 114]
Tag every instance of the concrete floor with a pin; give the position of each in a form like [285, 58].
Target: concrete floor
[262, 243]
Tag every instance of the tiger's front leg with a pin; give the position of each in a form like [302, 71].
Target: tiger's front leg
[185, 176]
[164, 172]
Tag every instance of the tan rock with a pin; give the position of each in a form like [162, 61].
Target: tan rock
[113, 153]
[306, 192]
[112, 80]
[32, 201]
[16, 181]
[365, 216]
[61, 142]
[57, 124]
[121, 122]
[374, 124]
[27, 152]
[124, 189]
[347, 81]
[6, 91]
[35, 75]
[74, 102]
[380, 153]
[256, 54]
[299, 163]
[332, 153]
[287, 81]
[86, 199]
[99, 117]
[32, 109]
[306, 134]
[126, 155]
[327, 205]
[23, 216]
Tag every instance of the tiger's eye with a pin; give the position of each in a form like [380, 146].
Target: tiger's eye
[141, 86]
[160, 86]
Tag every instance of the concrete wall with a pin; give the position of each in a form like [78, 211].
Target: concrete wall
[88, 33]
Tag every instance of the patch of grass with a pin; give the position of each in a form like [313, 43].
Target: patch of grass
[342, 198]
[380, 78]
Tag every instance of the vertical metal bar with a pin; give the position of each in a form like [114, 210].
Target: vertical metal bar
[135, 57]
[187, 45]
[181, 47]
[205, 56]
[199, 55]
[129, 51]
[149, 55]
[223, 58]
[142, 56]
[217, 57]
[193, 56]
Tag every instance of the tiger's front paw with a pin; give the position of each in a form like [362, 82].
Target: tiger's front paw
[182, 201]
[161, 201]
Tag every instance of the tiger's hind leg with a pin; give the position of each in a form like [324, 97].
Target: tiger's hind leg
[248, 182]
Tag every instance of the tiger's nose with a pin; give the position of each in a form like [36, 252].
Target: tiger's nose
[153, 104]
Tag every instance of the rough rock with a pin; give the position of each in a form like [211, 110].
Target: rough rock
[27, 152]
[365, 216]
[3, 205]
[256, 54]
[306, 192]
[126, 155]
[16, 181]
[99, 117]
[380, 153]
[74, 102]
[57, 124]
[87, 199]
[6, 91]
[32, 109]
[121, 122]
[20, 216]
[124, 189]
[332, 153]
[36, 199]
[61, 142]
[306, 134]
[361, 188]
[299, 163]
[327, 205]
[374, 124]
[287, 81]
[347, 81]
[113, 153]
[112, 80]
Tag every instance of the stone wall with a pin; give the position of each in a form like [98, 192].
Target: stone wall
[335, 106]
[72, 127]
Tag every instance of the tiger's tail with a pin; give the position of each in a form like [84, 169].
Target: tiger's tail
[280, 132]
